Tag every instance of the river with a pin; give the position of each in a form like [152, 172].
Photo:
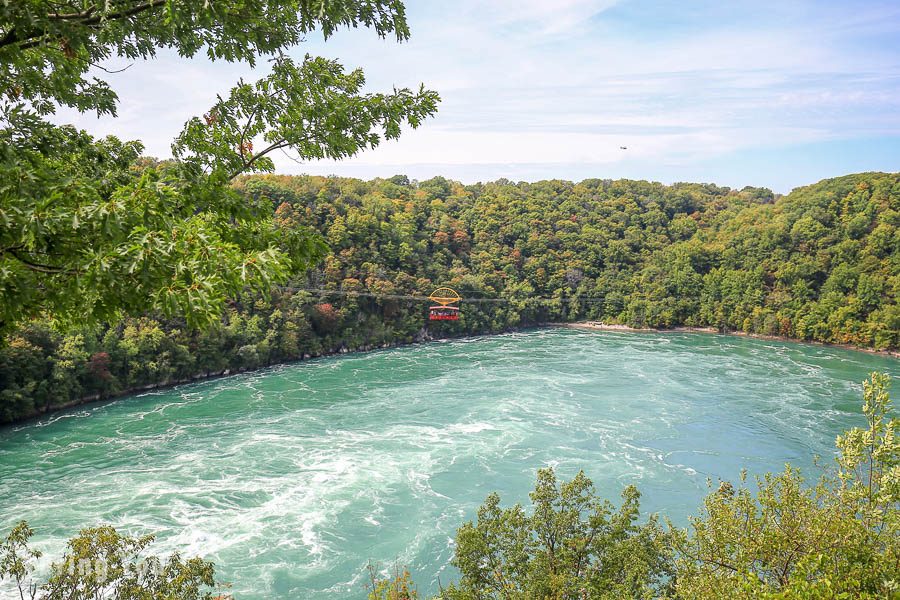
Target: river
[291, 479]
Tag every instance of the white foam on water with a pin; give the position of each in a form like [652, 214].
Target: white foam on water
[293, 478]
[471, 427]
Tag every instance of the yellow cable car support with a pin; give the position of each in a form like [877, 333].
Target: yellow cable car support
[445, 296]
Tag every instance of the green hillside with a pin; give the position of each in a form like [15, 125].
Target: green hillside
[820, 264]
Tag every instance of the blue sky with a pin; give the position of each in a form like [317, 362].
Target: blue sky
[775, 94]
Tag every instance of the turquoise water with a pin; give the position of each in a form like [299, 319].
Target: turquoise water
[293, 478]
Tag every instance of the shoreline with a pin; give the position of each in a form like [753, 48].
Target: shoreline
[600, 326]
[98, 399]
[579, 325]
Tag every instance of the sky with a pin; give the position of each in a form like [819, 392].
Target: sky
[776, 94]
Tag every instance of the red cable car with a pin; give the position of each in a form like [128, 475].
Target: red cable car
[443, 311]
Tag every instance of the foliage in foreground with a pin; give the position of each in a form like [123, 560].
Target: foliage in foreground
[571, 545]
[399, 586]
[102, 563]
[90, 231]
[837, 539]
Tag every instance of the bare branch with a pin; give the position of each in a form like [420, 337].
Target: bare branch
[112, 71]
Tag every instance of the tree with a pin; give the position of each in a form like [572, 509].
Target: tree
[102, 563]
[90, 231]
[16, 557]
[573, 545]
[398, 586]
[838, 539]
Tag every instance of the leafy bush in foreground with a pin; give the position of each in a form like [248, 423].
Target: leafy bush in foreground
[572, 545]
[838, 539]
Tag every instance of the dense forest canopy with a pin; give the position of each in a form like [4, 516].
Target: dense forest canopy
[822, 264]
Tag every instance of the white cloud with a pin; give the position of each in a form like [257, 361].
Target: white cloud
[528, 82]
[546, 18]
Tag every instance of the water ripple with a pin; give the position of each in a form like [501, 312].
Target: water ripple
[292, 478]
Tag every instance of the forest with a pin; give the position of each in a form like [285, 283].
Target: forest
[819, 264]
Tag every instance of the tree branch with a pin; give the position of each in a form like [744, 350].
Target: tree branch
[41, 268]
[70, 16]
[150, 4]
[112, 71]
[88, 18]
[248, 163]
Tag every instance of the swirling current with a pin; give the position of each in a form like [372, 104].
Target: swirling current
[293, 478]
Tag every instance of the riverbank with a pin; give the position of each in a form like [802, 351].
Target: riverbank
[422, 337]
[112, 396]
[600, 326]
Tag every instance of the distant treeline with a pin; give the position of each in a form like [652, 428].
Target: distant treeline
[822, 263]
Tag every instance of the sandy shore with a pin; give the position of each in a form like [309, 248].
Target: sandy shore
[599, 326]
[615, 327]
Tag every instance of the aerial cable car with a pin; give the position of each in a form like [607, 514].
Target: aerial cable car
[444, 299]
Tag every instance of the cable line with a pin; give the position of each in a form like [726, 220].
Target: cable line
[365, 294]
